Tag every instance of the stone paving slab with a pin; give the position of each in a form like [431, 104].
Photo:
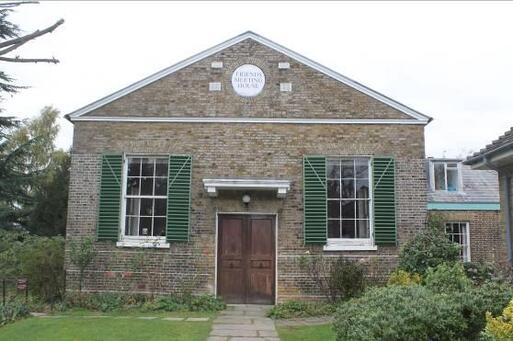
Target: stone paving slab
[146, 317]
[242, 322]
[197, 319]
[173, 318]
[233, 332]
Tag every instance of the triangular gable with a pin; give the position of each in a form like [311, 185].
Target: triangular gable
[415, 115]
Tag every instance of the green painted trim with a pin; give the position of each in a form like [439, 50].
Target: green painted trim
[469, 206]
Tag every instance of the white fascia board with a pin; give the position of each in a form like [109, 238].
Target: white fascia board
[244, 120]
[250, 35]
[212, 186]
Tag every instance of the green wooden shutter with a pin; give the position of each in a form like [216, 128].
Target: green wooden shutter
[383, 170]
[314, 194]
[179, 198]
[110, 197]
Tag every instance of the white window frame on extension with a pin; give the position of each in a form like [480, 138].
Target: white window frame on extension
[137, 241]
[465, 250]
[447, 166]
[353, 244]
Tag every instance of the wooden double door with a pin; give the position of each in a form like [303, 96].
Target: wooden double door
[246, 258]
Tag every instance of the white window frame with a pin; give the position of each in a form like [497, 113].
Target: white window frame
[467, 238]
[137, 241]
[354, 244]
[432, 176]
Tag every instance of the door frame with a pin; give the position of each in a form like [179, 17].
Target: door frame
[275, 247]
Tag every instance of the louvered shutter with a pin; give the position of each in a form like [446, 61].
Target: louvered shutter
[314, 199]
[385, 231]
[179, 198]
[110, 197]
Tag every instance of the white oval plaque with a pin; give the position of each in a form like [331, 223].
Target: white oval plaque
[248, 80]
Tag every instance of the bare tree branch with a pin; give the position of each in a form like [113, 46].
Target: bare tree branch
[17, 3]
[12, 48]
[29, 60]
[31, 36]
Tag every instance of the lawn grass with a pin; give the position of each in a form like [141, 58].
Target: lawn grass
[307, 333]
[74, 327]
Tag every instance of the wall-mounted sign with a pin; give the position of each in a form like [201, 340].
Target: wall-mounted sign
[248, 80]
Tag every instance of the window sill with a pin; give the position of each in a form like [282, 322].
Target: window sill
[142, 243]
[348, 247]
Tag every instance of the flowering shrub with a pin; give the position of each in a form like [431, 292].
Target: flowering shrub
[500, 328]
[404, 278]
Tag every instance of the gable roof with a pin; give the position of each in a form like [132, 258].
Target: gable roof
[502, 145]
[415, 115]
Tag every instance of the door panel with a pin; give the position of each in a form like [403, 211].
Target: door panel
[231, 259]
[261, 260]
[246, 259]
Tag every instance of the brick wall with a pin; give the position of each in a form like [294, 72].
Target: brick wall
[218, 150]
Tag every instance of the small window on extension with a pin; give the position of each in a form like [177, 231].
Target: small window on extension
[445, 176]
[452, 177]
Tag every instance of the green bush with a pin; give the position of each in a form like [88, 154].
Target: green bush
[204, 303]
[417, 313]
[399, 313]
[12, 311]
[104, 301]
[337, 280]
[295, 309]
[347, 278]
[115, 301]
[43, 265]
[445, 278]
[480, 272]
[428, 248]
[401, 277]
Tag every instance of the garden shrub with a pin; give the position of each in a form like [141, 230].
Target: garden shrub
[404, 278]
[337, 280]
[295, 309]
[116, 301]
[446, 278]
[347, 279]
[104, 301]
[428, 248]
[500, 328]
[12, 311]
[480, 272]
[81, 254]
[204, 303]
[43, 265]
[420, 313]
[399, 313]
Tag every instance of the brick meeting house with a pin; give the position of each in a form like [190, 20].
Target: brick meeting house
[220, 172]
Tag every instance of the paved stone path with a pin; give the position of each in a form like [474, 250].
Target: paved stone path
[241, 322]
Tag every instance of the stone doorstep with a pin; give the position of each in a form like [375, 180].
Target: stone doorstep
[233, 332]
[259, 326]
[237, 320]
[217, 338]
[268, 333]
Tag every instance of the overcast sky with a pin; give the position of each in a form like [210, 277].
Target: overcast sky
[451, 61]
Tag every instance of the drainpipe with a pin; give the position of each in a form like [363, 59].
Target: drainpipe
[507, 213]
[507, 208]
